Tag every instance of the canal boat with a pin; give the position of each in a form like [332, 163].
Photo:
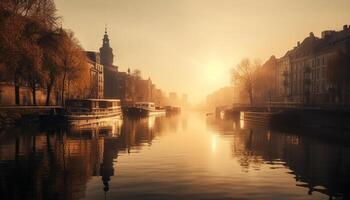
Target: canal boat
[143, 109]
[87, 111]
[171, 110]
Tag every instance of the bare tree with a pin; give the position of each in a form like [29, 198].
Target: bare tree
[244, 74]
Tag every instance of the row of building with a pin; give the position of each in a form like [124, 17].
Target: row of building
[310, 72]
[315, 72]
[108, 82]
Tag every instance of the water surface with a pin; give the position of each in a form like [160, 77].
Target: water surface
[191, 156]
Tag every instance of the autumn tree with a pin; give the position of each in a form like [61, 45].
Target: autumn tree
[36, 52]
[244, 75]
[75, 68]
[51, 42]
[19, 50]
[12, 48]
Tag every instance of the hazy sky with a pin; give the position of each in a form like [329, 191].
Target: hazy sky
[189, 46]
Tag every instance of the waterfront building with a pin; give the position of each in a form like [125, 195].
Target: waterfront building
[267, 82]
[96, 75]
[129, 88]
[110, 70]
[302, 75]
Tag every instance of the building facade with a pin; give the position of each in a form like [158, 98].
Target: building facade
[96, 75]
[110, 70]
[127, 87]
[302, 75]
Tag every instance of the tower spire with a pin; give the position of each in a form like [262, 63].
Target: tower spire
[105, 37]
[106, 51]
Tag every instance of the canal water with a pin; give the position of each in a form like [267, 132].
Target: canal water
[190, 156]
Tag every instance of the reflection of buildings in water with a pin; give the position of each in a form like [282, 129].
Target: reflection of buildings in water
[184, 122]
[317, 165]
[151, 121]
[42, 165]
[59, 163]
[224, 127]
[38, 165]
[111, 148]
[133, 134]
[241, 120]
[110, 128]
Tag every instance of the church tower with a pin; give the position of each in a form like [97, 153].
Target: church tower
[106, 52]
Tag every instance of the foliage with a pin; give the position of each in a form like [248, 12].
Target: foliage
[35, 51]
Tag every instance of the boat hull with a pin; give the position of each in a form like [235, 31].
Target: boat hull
[80, 120]
[141, 112]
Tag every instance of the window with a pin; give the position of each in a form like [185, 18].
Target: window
[323, 72]
[323, 60]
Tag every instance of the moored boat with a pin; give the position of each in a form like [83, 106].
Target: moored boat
[171, 110]
[87, 111]
[142, 109]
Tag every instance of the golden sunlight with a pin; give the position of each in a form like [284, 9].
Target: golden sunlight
[214, 72]
[213, 144]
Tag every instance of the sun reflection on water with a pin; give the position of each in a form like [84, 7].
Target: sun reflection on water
[213, 143]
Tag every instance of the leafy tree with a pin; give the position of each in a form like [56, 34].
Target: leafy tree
[51, 41]
[36, 52]
[75, 68]
[19, 50]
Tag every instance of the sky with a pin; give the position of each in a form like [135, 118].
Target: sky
[189, 46]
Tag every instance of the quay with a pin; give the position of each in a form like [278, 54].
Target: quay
[290, 115]
[10, 115]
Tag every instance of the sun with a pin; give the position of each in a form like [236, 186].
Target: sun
[213, 73]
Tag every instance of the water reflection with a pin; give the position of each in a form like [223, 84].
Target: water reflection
[170, 158]
[317, 165]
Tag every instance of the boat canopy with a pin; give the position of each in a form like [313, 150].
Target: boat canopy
[92, 103]
[145, 104]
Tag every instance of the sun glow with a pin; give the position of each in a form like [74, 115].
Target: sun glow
[214, 73]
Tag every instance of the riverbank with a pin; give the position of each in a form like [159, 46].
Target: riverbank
[318, 123]
[13, 115]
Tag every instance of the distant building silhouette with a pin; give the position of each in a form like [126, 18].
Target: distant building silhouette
[110, 70]
[106, 51]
